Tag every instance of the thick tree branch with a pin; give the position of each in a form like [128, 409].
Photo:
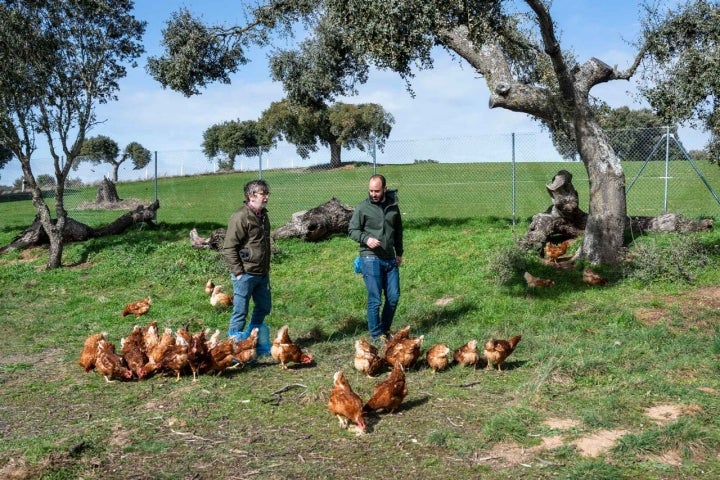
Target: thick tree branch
[552, 48]
[489, 61]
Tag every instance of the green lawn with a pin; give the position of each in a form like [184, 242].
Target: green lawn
[635, 364]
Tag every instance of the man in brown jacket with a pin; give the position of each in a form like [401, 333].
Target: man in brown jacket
[247, 253]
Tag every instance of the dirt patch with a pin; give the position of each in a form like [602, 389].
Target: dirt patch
[693, 306]
[549, 443]
[561, 423]
[670, 412]
[650, 316]
[598, 443]
[444, 301]
[16, 469]
[671, 457]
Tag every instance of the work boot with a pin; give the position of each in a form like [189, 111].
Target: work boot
[264, 344]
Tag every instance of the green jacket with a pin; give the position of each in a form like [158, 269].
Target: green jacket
[247, 242]
[382, 221]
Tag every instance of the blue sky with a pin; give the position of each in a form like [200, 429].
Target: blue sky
[450, 100]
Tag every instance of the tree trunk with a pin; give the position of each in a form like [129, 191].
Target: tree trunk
[107, 192]
[36, 234]
[605, 228]
[335, 151]
[318, 223]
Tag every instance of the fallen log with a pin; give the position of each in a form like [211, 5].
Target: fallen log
[318, 223]
[75, 231]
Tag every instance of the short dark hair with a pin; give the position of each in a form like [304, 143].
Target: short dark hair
[255, 186]
[378, 177]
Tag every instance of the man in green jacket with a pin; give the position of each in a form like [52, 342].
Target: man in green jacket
[376, 225]
[247, 253]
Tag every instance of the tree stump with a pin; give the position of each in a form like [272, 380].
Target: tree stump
[214, 241]
[564, 219]
[318, 223]
[107, 192]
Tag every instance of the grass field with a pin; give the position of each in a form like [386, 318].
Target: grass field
[426, 190]
[614, 382]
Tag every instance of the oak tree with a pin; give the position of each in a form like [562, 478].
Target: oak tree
[61, 59]
[102, 149]
[235, 137]
[341, 125]
[513, 46]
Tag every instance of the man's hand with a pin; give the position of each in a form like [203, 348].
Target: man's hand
[373, 242]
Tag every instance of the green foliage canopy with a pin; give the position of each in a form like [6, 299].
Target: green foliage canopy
[683, 81]
[103, 149]
[340, 125]
[236, 137]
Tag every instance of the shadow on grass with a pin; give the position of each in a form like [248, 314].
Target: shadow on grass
[375, 417]
[149, 237]
[439, 316]
[353, 327]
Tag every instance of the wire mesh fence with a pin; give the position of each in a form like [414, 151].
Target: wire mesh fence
[485, 175]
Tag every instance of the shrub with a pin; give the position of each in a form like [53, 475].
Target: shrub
[677, 261]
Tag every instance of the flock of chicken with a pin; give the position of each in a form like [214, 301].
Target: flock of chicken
[402, 352]
[552, 253]
[145, 352]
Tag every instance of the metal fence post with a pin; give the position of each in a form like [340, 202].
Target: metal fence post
[260, 170]
[512, 187]
[156, 185]
[667, 167]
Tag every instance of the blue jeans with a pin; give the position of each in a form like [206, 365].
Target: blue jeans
[249, 286]
[381, 277]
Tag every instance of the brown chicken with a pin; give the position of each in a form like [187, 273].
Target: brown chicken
[157, 351]
[133, 350]
[467, 355]
[218, 298]
[183, 337]
[389, 394]
[405, 351]
[554, 251]
[593, 279]
[345, 404]
[496, 351]
[138, 308]
[199, 359]
[213, 339]
[89, 351]
[222, 356]
[109, 364]
[285, 351]
[175, 359]
[537, 282]
[150, 336]
[437, 357]
[245, 351]
[209, 286]
[401, 334]
[367, 359]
